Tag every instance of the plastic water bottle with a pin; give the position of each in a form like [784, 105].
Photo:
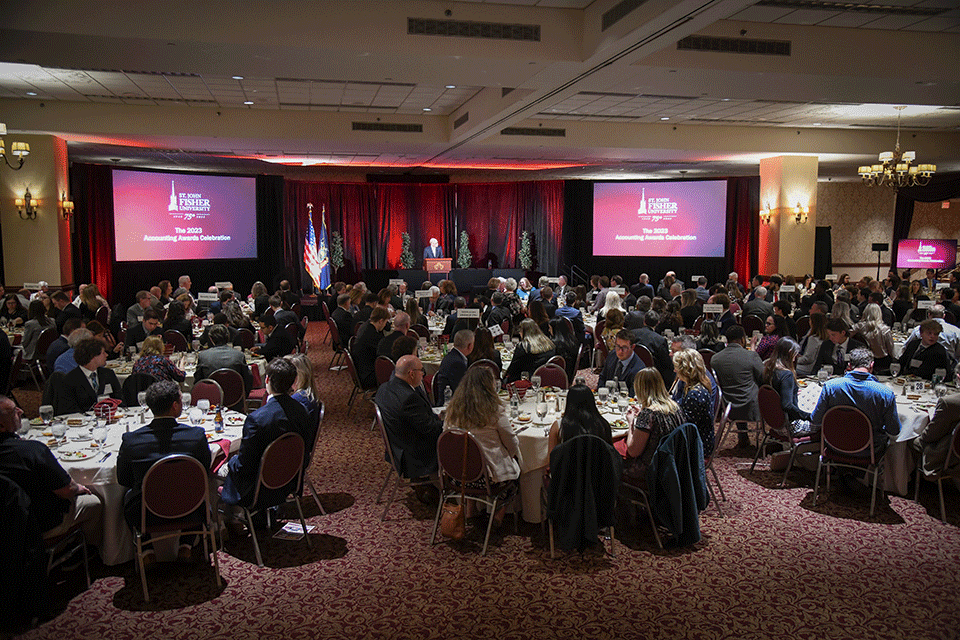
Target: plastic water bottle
[514, 406]
[447, 394]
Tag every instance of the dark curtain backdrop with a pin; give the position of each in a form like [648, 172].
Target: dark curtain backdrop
[92, 226]
[743, 216]
[942, 187]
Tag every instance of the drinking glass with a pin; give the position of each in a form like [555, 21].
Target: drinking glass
[186, 399]
[896, 326]
[542, 409]
[196, 416]
[602, 394]
[829, 369]
[535, 383]
[100, 434]
[624, 392]
[579, 380]
[939, 375]
[623, 404]
[940, 390]
[46, 413]
[203, 404]
[59, 430]
[822, 375]
[894, 369]
[525, 376]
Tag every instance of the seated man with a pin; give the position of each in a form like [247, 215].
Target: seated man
[65, 361]
[222, 355]
[149, 326]
[499, 312]
[836, 350]
[401, 324]
[933, 442]
[56, 501]
[79, 389]
[222, 320]
[623, 363]
[281, 414]
[573, 314]
[453, 365]
[924, 356]
[343, 319]
[364, 351]
[859, 388]
[135, 311]
[58, 346]
[278, 344]
[65, 308]
[162, 437]
[458, 303]
[739, 374]
[411, 425]
[656, 344]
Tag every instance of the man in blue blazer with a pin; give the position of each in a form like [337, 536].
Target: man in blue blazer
[623, 363]
[454, 364]
[281, 414]
[433, 251]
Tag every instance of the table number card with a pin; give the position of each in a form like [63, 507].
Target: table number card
[925, 304]
[619, 290]
[32, 286]
[553, 280]
[832, 277]
[943, 285]
[207, 297]
[695, 279]
[422, 294]
[396, 281]
[223, 285]
[495, 330]
[788, 288]
[713, 308]
[468, 313]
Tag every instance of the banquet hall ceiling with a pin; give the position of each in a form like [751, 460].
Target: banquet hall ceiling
[550, 88]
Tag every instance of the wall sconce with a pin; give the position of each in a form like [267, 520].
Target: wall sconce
[27, 206]
[801, 213]
[765, 214]
[19, 149]
[66, 206]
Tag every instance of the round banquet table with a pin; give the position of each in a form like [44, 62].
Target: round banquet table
[186, 362]
[116, 545]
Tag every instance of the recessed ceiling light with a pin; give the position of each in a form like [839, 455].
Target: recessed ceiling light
[427, 109]
[724, 99]
[238, 77]
[664, 118]
[248, 102]
[451, 86]
[816, 124]
[31, 93]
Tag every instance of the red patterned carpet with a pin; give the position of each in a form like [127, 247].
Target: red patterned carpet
[772, 568]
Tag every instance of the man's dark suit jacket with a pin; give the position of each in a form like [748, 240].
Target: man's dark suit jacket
[137, 334]
[56, 349]
[76, 394]
[430, 252]
[361, 316]
[498, 315]
[640, 290]
[412, 427]
[385, 348]
[278, 344]
[69, 311]
[221, 357]
[630, 369]
[281, 414]
[657, 345]
[364, 354]
[451, 371]
[757, 307]
[550, 308]
[344, 321]
[141, 448]
[931, 359]
[825, 353]
[234, 335]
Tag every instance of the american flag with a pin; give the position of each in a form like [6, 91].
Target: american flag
[311, 260]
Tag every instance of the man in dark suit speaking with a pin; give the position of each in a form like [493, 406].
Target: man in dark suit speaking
[434, 250]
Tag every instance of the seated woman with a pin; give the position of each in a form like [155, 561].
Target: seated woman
[875, 332]
[34, 326]
[695, 395]
[689, 309]
[476, 407]
[671, 319]
[810, 344]
[91, 301]
[538, 313]
[774, 328]
[779, 373]
[153, 361]
[484, 348]
[710, 337]
[612, 301]
[305, 392]
[13, 311]
[654, 417]
[566, 344]
[533, 350]
[177, 320]
[579, 417]
[416, 315]
[611, 327]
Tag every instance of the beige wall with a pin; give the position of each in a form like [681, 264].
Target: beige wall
[36, 249]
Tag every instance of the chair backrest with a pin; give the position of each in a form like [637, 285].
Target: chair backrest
[771, 410]
[552, 375]
[847, 430]
[334, 334]
[378, 417]
[569, 324]
[325, 309]
[698, 324]
[293, 330]
[803, 326]
[421, 331]
[601, 347]
[598, 330]
[490, 364]
[103, 315]
[751, 323]
[173, 488]
[383, 367]
[281, 464]
[16, 362]
[231, 383]
[351, 367]
[45, 339]
[133, 385]
[450, 455]
[644, 354]
[559, 361]
[246, 338]
[177, 339]
[207, 389]
[953, 455]
[707, 355]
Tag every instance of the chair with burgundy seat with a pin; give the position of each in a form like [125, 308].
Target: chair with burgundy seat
[231, 382]
[776, 427]
[644, 354]
[245, 338]
[751, 324]
[707, 356]
[950, 469]
[490, 364]
[177, 339]
[552, 375]
[383, 367]
[846, 440]
[401, 483]
[207, 389]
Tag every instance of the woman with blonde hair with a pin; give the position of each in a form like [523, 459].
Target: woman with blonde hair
[693, 392]
[612, 301]
[533, 351]
[653, 418]
[92, 301]
[153, 361]
[841, 310]
[612, 325]
[877, 335]
[305, 386]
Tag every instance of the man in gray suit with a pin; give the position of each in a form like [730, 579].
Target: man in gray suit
[739, 373]
[222, 355]
[933, 443]
[758, 306]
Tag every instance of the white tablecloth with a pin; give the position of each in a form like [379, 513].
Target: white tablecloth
[100, 476]
[188, 365]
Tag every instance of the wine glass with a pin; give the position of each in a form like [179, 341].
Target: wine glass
[894, 369]
[624, 392]
[100, 434]
[535, 383]
[203, 404]
[542, 409]
[623, 404]
[46, 413]
[186, 399]
[196, 415]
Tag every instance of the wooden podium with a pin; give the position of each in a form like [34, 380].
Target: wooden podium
[437, 265]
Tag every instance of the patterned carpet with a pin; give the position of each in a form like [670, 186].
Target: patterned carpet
[774, 567]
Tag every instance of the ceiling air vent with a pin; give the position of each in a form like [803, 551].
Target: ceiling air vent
[388, 126]
[466, 29]
[735, 45]
[534, 131]
[618, 12]
[854, 7]
[734, 121]
[461, 120]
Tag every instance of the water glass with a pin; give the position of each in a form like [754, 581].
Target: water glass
[542, 410]
[203, 404]
[59, 430]
[829, 369]
[602, 393]
[624, 392]
[196, 416]
[46, 413]
[822, 375]
[894, 369]
[535, 383]
[940, 390]
[525, 376]
[100, 434]
[939, 375]
[186, 399]
[623, 404]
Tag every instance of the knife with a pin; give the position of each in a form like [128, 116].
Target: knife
[106, 455]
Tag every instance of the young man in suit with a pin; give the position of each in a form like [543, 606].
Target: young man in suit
[88, 380]
[149, 326]
[836, 351]
[401, 324]
[454, 365]
[164, 436]
[222, 355]
[739, 373]
[343, 319]
[623, 363]
[364, 352]
[278, 343]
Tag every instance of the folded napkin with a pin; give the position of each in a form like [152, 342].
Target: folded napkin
[106, 407]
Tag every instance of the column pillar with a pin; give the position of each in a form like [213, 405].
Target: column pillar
[786, 244]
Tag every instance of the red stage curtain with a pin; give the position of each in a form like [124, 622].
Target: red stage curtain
[422, 210]
[92, 190]
[743, 216]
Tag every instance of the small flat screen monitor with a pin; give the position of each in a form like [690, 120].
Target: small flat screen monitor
[926, 254]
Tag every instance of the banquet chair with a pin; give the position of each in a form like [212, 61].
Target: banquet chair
[326, 316]
[177, 339]
[103, 315]
[489, 364]
[776, 426]
[231, 383]
[707, 356]
[245, 338]
[950, 469]
[60, 549]
[46, 338]
[133, 385]
[697, 324]
[644, 354]
[207, 389]
[552, 375]
[421, 331]
[358, 390]
[559, 361]
[336, 362]
[463, 471]
[569, 324]
[846, 440]
[383, 367]
[600, 351]
[751, 323]
[639, 496]
[803, 326]
[306, 478]
[278, 480]
[735, 415]
[174, 489]
[293, 330]
[720, 418]
[257, 395]
[16, 364]
[401, 483]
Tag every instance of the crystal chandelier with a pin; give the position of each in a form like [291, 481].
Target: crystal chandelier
[894, 170]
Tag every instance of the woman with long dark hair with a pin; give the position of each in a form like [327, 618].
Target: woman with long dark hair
[774, 328]
[580, 416]
[565, 344]
[533, 351]
[654, 417]
[484, 348]
[780, 373]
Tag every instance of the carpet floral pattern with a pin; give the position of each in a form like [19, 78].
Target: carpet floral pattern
[775, 566]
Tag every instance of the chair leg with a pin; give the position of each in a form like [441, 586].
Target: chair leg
[253, 534]
[916, 485]
[143, 572]
[216, 558]
[613, 552]
[793, 455]
[816, 484]
[713, 496]
[653, 525]
[384, 485]
[760, 447]
[550, 528]
[436, 519]
[873, 491]
[316, 499]
[943, 510]
[86, 559]
[393, 493]
[486, 539]
[717, 480]
[303, 523]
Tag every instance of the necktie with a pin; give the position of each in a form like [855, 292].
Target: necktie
[94, 383]
[839, 358]
[619, 371]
